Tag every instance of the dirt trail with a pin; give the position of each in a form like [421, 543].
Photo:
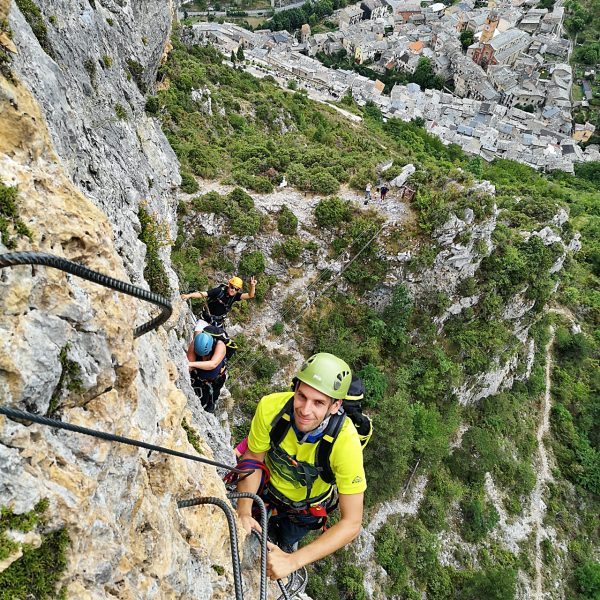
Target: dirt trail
[538, 508]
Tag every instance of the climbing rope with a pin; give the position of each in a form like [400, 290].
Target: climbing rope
[14, 414]
[50, 260]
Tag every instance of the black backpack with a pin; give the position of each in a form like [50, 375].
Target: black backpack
[283, 421]
[219, 333]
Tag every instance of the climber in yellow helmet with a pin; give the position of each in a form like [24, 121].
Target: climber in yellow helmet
[221, 298]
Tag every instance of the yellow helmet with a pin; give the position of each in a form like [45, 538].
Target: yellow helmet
[236, 282]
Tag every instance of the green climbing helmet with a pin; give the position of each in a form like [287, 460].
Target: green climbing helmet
[327, 374]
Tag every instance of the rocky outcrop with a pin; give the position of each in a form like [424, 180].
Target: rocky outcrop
[106, 56]
[66, 345]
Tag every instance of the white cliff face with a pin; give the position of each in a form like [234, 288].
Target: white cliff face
[82, 174]
[105, 52]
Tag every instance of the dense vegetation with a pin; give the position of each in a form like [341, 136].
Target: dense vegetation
[309, 12]
[582, 22]
[257, 134]
[11, 225]
[38, 571]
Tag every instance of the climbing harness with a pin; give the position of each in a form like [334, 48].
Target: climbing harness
[218, 320]
[12, 259]
[282, 423]
[21, 415]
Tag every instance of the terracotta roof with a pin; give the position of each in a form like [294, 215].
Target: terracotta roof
[416, 46]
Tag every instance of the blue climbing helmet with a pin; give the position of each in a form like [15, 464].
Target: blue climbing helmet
[203, 344]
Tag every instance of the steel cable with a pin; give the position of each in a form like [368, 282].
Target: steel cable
[13, 413]
[263, 537]
[235, 555]
[49, 260]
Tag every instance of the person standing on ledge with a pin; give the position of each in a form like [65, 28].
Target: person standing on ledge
[220, 299]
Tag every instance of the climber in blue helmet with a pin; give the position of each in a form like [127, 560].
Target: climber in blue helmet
[208, 368]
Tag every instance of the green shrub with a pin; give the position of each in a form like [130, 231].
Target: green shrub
[70, 379]
[394, 415]
[107, 61]
[246, 223]
[479, 517]
[261, 185]
[236, 121]
[242, 198]
[332, 212]
[192, 436]
[121, 112]
[137, 72]
[375, 385]
[153, 235]
[588, 580]
[292, 248]
[287, 222]
[185, 263]
[152, 106]
[89, 64]
[323, 182]
[37, 572]
[210, 202]
[34, 17]
[11, 225]
[189, 185]
[252, 263]
[263, 366]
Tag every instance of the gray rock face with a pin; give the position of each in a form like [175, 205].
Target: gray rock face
[117, 162]
[407, 171]
[129, 539]
[456, 261]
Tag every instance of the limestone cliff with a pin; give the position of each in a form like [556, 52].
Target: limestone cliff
[66, 345]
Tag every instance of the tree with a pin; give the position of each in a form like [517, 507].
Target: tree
[574, 24]
[240, 54]
[233, 57]
[588, 579]
[392, 438]
[466, 38]
[425, 76]
[588, 54]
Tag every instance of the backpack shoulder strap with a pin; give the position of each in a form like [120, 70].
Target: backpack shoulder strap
[326, 446]
[222, 290]
[281, 423]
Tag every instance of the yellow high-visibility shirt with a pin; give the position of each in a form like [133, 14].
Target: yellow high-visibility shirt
[346, 458]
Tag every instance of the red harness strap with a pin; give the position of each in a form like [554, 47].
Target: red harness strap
[250, 465]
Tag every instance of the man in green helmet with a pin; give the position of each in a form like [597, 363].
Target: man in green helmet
[291, 434]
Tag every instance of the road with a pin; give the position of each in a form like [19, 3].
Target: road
[262, 12]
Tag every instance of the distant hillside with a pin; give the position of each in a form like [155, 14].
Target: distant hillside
[444, 314]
